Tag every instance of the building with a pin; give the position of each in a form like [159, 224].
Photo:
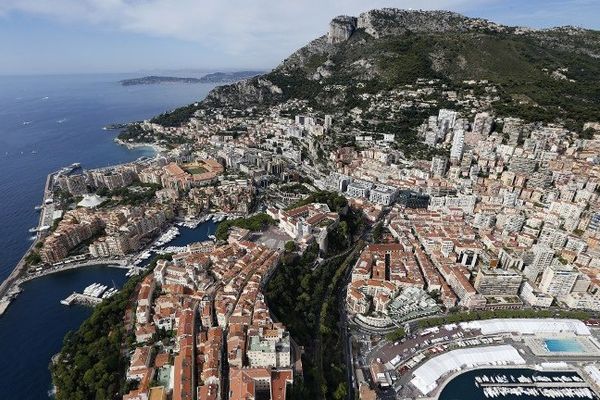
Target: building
[359, 189]
[558, 280]
[458, 146]
[269, 348]
[312, 221]
[384, 195]
[534, 297]
[497, 282]
[542, 258]
[259, 383]
[439, 165]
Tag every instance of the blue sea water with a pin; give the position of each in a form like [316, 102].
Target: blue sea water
[60, 119]
[47, 122]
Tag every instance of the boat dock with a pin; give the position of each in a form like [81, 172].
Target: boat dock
[4, 305]
[538, 384]
[91, 296]
[78, 298]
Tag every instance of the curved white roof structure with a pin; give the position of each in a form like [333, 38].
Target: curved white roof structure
[427, 375]
[528, 326]
[91, 201]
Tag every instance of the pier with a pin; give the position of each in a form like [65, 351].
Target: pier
[536, 384]
[78, 298]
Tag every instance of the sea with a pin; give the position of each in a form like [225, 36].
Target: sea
[47, 122]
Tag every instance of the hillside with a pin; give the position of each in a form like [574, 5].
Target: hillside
[541, 74]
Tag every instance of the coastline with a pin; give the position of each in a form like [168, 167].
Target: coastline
[10, 287]
[155, 147]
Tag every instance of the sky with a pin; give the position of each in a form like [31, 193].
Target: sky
[79, 36]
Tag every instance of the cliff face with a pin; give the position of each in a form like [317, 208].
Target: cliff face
[250, 91]
[341, 28]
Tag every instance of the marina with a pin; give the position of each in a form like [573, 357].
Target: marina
[509, 384]
[92, 295]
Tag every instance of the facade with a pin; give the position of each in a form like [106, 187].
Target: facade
[558, 280]
[497, 282]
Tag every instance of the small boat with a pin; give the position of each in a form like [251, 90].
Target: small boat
[27, 122]
[33, 230]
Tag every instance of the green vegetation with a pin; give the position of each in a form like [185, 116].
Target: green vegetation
[255, 223]
[377, 232]
[290, 246]
[177, 117]
[334, 201]
[528, 77]
[306, 298]
[297, 188]
[91, 364]
[398, 334]
[135, 133]
[306, 301]
[133, 195]
[490, 314]
[195, 170]
[132, 132]
[33, 258]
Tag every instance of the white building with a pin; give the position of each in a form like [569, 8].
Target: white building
[382, 194]
[558, 280]
[458, 145]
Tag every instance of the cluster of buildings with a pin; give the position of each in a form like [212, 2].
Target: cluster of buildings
[114, 232]
[202, 313]
[511, 216]
[502, 214]
[387, 286]
[308, 223]
[76, 227]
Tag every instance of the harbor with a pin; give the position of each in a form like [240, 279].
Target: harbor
[511, 383]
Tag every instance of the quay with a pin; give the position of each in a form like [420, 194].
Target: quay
[12, 288]
[121, 263]
[79, 298]
[537, 384]
[11, 284]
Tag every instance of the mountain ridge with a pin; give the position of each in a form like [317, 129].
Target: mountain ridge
[550, 72]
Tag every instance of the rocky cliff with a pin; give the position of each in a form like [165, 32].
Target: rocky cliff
[385, 49]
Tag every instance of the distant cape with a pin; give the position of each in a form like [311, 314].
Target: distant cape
[216, 77]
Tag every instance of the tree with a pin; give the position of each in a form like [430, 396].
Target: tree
[340, 392]
[290, 246]
[378, 232]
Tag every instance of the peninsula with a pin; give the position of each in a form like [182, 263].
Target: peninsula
[216, 77]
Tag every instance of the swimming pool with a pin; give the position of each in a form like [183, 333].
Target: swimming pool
[563, 346]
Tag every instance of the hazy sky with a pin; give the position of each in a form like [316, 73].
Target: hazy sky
[65, 36]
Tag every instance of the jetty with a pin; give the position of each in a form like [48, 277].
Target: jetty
[92, 295]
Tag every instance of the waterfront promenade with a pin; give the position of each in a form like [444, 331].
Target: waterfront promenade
[121, 263]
